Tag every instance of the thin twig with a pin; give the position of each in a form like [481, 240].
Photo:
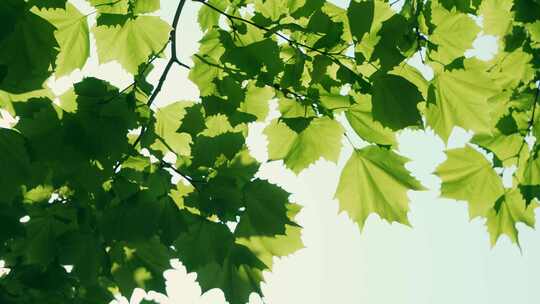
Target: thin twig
[157, 90]
[349, 140]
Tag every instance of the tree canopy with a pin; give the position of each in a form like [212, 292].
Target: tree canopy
[86, 180]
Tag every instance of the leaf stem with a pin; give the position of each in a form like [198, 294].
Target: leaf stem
[349, 140]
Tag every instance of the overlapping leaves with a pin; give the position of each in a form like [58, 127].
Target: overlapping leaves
[93, 168]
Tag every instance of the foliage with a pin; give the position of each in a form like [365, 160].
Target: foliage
[88, 168]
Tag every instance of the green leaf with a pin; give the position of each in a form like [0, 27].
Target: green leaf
[360, 16]
[145, 6]
[259, 59]
[207, 149]
[72, 35]
[466, 6]
[509, 210]
[208, 17]
[335, 102]
[530, 184]
[132, 42]
[291, 108]
[45, 228]
[534, 32]
[330, 31]
[532, 171]
[321, 138]
[505, 147]
[467, 175]
[39, 194]
[497, 16]
[85, 253]
[395, 101]
[256, 101]
[168, 121]
[239, 275]
[111, 7]
[27, 52]
[264, 246]
[513, 69]
[16, 164]
[140, 265]
[460, 99]
[272, 9]
[374, 180]
[361, 120]
[366, 46]
[454, 34]
[266, 206]
[396, 40]
[225, 265]
[47, 4]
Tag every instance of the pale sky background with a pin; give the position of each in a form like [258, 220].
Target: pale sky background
[443, 259]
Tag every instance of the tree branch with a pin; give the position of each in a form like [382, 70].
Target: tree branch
[163, 77]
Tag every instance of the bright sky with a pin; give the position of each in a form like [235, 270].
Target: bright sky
[443, 259]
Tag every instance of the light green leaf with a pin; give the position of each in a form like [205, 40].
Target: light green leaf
[315, 139]
[39, 194]
[257, 101]
[271, 9]
[497, 16]
[460, 98]
[145, 6]
[168, 121]
[133, 42]
[513, 68]
[291, 108]
[454, 34]
[208, 17]
[505, 147]
[203, 75]
[362, 122]
[530, 183]
[532, 171]
[335, 102]
[509, 210]
[534, 32]
[467, 175]
[72, 35]
[374, 180]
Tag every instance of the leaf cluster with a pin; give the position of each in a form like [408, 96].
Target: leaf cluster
[100, 180]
